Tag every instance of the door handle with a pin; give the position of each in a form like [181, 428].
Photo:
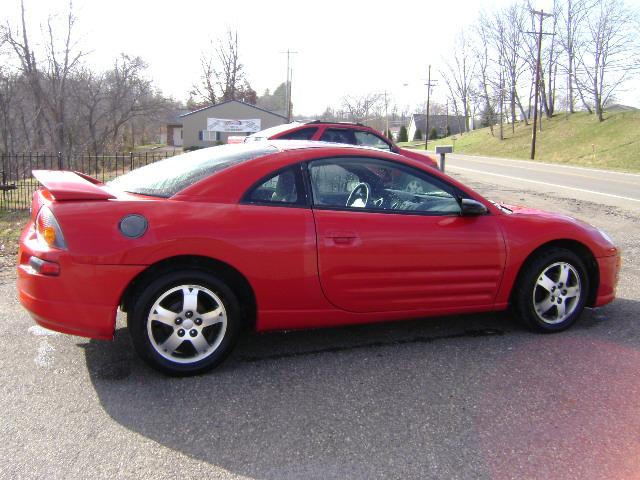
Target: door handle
[342, 238]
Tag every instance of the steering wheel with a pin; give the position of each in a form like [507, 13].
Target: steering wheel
[359, 196]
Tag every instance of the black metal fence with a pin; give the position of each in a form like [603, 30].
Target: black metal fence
[18, 185]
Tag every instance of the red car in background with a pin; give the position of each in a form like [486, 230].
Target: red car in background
[281, 235]
[338, 132]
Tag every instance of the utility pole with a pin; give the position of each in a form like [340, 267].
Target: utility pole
[386, 116]
[446, 128]
[287, 93]
[501, 104]
[290, 104]
[542, 16]
[426, 135]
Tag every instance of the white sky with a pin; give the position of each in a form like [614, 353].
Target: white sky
[345, 47]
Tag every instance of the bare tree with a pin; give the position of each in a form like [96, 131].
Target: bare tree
[48, 83]
[572, 17]
[51, 102]
[481, 52]
[459, 76]
[19, 42]
[513, 20]
[206, 89]
[222, 74]
[9, 101]
[551, 60]
[610, 45]
[61, 63]
[360, 108]
[108, 101]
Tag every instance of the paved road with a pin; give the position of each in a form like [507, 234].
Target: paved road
[610, 188]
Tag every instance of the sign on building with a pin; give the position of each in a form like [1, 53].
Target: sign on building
[225, 125]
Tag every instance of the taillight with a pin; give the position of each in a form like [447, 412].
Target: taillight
[48, 230]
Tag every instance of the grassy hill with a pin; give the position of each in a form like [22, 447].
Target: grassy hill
[576, 140]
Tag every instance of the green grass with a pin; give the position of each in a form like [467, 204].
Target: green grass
[577, 140]
[149, 146]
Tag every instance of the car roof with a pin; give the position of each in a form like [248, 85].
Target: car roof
[269, 132]
[285, 127]
[286, 145]
[339, 124]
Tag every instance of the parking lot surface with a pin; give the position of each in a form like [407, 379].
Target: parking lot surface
[468, 397]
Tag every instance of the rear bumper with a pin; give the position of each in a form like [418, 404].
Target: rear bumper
[82, 300]
[609, 268]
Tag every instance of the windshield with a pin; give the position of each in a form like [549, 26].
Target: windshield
[270, 132]
[167, 177]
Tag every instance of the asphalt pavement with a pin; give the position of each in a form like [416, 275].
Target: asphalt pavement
[466, 397]
[618, 189]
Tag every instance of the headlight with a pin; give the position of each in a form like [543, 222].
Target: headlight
[48, 230]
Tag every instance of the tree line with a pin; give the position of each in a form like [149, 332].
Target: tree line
[52, 100]
[589, 48]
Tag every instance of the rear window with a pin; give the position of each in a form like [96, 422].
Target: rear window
[167, 177]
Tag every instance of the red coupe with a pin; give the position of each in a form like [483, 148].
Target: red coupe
[283, 235]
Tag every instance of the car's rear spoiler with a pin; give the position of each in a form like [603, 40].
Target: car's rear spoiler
[66, 185]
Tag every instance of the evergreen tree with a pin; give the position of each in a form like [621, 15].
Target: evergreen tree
[417, 135]
[433, 134]
[488, 116]
[402, 135]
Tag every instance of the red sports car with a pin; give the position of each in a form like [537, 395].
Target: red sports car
[283, 235]
[337, 132]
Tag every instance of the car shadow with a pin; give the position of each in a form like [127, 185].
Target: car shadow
[386, 400]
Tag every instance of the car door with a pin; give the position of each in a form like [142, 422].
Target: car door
[391, 238]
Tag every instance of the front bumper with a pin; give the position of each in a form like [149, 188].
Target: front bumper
[609, 268]
[82, 300]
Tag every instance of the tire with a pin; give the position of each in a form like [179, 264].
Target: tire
[552, 290]
[185, 322]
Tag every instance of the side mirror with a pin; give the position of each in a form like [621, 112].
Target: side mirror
[470, 208]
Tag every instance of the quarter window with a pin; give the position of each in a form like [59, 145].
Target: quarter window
[281, 188]
[378, 185]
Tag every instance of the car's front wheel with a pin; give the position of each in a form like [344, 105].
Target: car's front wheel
[185, 322]
[552, 290]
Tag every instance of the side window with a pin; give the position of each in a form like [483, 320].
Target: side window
[302, 134]
[379, 185]
[368, 139]
[331, 183]
[281, 188]
[338, 135]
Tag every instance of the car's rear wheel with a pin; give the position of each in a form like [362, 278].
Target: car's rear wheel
[185, 322]
[552, 290]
